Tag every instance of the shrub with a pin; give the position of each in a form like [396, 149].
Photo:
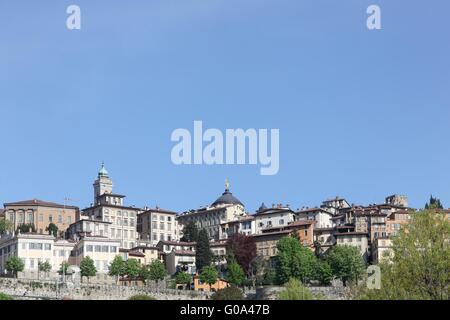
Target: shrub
[5, 297]
[230, 293]
[295, 291]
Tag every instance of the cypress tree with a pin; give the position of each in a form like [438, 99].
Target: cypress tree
[203, 255]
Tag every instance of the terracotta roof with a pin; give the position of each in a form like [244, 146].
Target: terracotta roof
[136, 254]
[301, 223]
[36, 202]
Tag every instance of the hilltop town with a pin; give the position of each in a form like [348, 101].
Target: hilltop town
[54, 240]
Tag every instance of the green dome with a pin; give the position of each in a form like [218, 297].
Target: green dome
[103, 172]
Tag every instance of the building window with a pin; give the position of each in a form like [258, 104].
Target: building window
[104, 248]
[161, 226]
[113, 249]
[50, 218]
[30, 217]
[89, 248]
[281, 221]
[21, 217]
[48, 246]
[161, 218]
[69, 220]
[154, 225]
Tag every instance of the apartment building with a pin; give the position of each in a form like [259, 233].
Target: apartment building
[321, 217]
[156, 225]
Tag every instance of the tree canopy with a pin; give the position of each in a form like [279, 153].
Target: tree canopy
[294, 261]
[14, 265]
[244, 250]
[434, 203]
[235, 274]
[156, 271]
[87, 267]
[117, 267]
[209, 275]
[346, 263]
[420, 262]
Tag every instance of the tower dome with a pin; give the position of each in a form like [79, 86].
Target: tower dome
[103, 172]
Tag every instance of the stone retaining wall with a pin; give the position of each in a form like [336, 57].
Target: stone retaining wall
[20, 288]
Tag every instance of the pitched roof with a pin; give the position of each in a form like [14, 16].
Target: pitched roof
[41, 203]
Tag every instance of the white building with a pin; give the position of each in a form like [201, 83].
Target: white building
[322, 217]
[266, 218]
[33, 248]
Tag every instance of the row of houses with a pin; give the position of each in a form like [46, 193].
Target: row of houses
[109, 227]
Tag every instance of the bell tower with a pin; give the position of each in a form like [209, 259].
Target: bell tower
[103, 184]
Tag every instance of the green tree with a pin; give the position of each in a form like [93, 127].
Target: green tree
[235, 274]
[52, 229]
[209, 275]
[156, 271]
[203, 254]
[133, 268]
[323, 272]
[420, 261]
[117, 268]
[44, 266]
[294, 261]
[230, 293]
[64, 267]
[434, 203]
[256, 271]
[87, 267]
[346, 263]
[190, 232]
[14, 265]
[5, 226]
[294, 290]
[183, 278]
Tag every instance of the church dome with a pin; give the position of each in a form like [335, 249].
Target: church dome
[227, 198]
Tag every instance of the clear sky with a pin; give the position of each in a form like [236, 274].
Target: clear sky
[362, 114]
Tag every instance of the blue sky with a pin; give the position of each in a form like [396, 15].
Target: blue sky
[362, 114]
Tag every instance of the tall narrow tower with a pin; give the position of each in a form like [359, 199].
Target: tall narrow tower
[103, 184]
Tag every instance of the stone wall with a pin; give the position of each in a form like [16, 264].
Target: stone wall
[327, 293]
[32, 289]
